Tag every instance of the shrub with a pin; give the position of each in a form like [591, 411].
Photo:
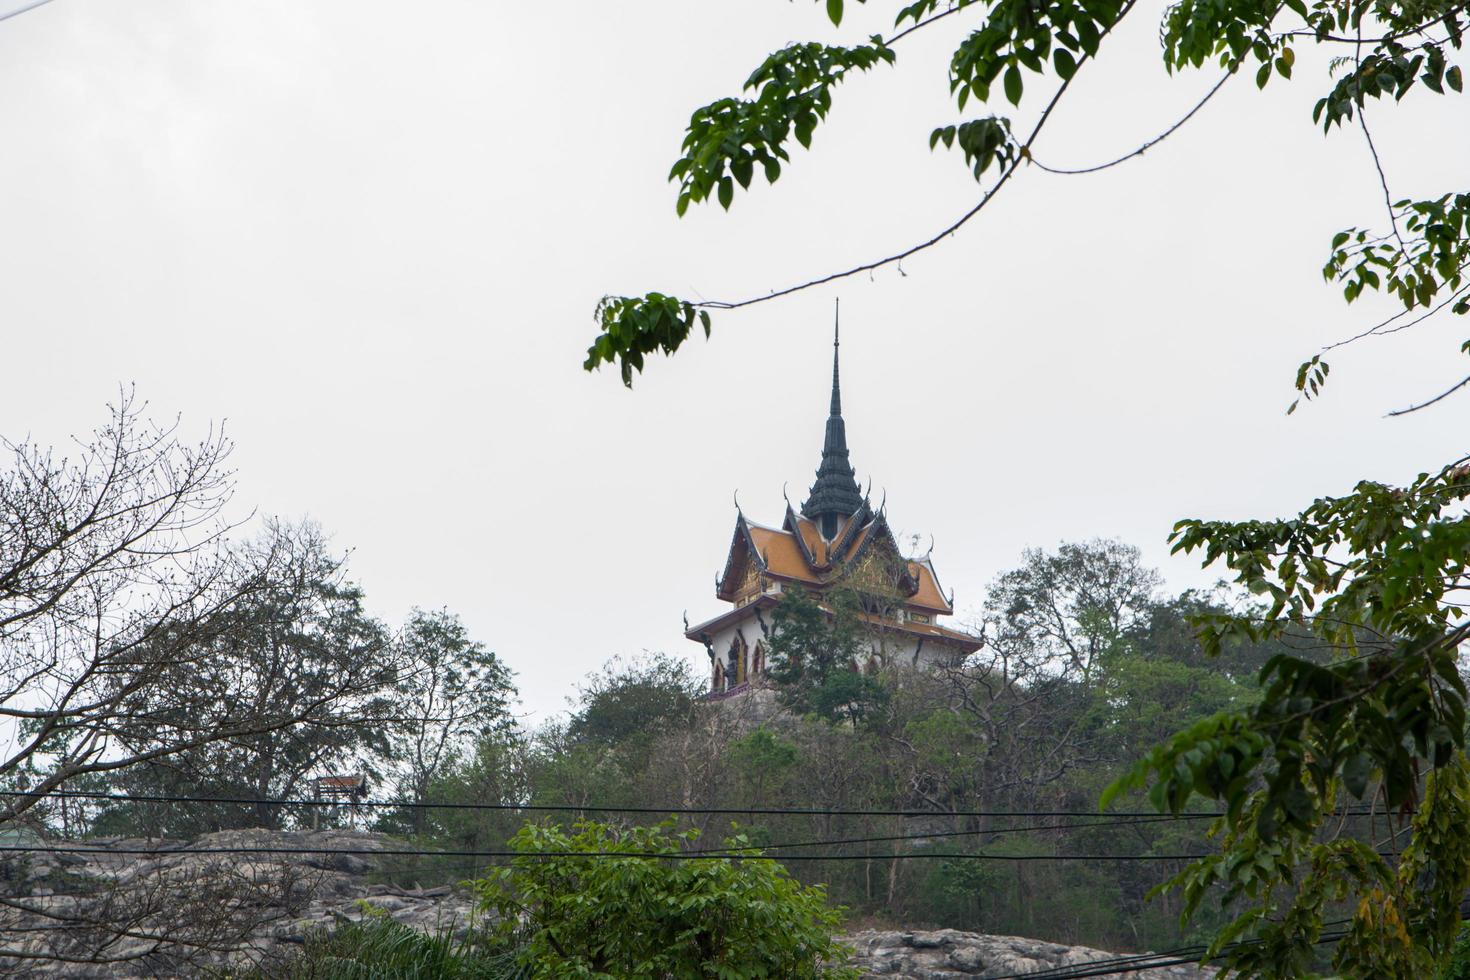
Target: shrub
[1458, 967]
[380, 949]
[658, 917]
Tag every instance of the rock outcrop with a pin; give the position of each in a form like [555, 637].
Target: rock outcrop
[948, 954]
[150, 908]
[159, 908]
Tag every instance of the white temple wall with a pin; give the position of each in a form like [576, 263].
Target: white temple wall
[901, 651]
[721, 642]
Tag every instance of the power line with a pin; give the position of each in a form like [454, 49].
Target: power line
[1149, 961]
[22, 9]
[607, 808]
[1111, 968]
[972, 833]
[1119, 964]
[788, 845]
[1183, 955]
[600, 808]
[712, 854]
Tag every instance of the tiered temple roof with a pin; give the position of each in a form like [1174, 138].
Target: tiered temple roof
[836, 537]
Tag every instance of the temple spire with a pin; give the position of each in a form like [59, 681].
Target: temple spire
[836, 349]
[835, 493]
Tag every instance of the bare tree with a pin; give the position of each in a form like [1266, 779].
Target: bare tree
[111, 568]
[123, 612]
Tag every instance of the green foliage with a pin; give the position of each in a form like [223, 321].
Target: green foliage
[728, 138]
[303, 647]
[451, 693]
[1373, 577]
[1024, 724]
[634, 327]
[634, 700]
[602, 754]
[814, 651]
[1396, 46]
[1458, 968]
[448, 675]
[984, 141]
[1070, 607]
[725, 142]
[1432, 260]
[1368, 578]
[494, 771]
[377, 948]
[763, 762]
[847, 695]
[1229, 31]
[654, 917]
[562, 770]
[1019, 34]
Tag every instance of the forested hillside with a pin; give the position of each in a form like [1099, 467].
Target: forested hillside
[1088, 663]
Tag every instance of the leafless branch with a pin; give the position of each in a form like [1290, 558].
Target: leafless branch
[1150, 144]
[1437, 398]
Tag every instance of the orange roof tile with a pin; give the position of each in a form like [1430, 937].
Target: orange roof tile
[781, 554]
[858, 540]
[928, 596]
[813, 539]
[925, 629]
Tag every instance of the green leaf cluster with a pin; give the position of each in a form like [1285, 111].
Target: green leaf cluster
[1397, 46]
[1416, 270]
[1229, 31]
[652, 917]
[1392, 69]
[636, 326]
[727, 139]
[1032, 35]
[984, 141]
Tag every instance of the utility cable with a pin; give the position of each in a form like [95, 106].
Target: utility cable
[711, 854]
[606, 808]
[967, 833]
[23, 8]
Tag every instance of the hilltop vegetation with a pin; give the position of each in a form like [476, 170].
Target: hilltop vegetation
[202, 679]
[1087, 666]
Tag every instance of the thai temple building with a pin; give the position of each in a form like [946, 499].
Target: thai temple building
[836, 540]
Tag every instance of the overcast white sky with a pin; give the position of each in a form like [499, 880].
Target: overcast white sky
[371, 237]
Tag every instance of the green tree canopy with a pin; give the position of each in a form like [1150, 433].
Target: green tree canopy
[451, 693]
[627, 699]
[817, 647]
